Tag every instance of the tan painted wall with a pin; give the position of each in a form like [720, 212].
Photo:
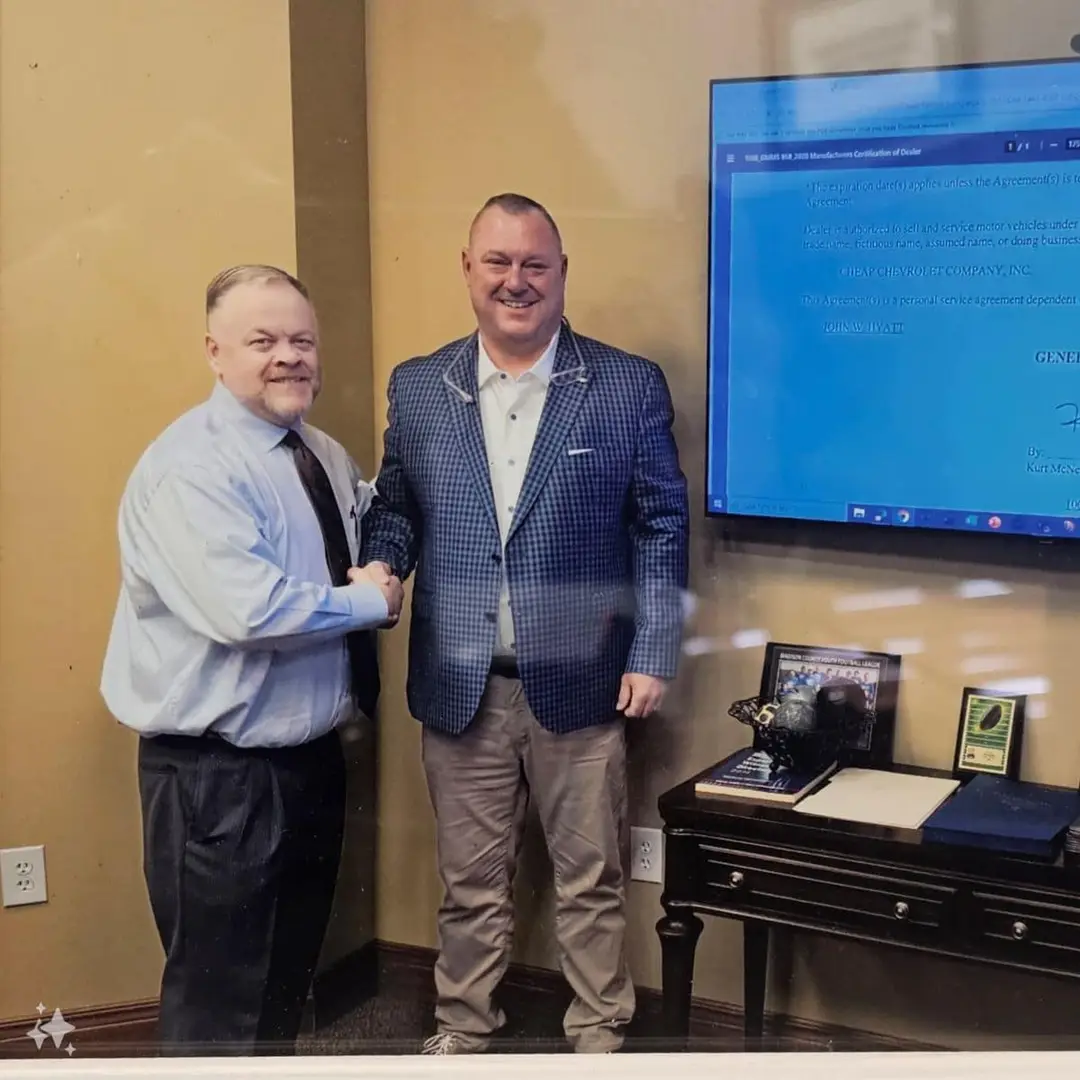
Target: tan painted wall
[143, 145]
[599, 108]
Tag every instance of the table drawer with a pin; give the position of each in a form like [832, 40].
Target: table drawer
[1033, 930]
[825, 893]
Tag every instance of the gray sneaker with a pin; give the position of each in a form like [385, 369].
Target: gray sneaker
[446, 1042]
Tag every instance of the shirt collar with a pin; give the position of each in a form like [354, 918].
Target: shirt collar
[541, 370]
[261, 433]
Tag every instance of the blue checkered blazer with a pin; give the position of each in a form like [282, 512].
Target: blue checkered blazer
[596, 557]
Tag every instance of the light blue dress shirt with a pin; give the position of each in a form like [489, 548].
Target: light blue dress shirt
[226, 619]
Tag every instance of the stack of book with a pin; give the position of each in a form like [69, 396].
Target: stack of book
[748, 774]
[1072, 844]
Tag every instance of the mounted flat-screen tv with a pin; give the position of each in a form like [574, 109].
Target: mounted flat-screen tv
[894, 300]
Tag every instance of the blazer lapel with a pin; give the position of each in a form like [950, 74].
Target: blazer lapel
[570, 378]
[459, 377]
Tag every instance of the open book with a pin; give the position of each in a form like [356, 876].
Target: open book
[877, 797]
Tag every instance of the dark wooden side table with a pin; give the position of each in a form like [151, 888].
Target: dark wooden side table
[772, 867]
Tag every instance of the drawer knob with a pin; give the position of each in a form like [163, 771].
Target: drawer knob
[901, 910]
[735, 879]
[1020, 930]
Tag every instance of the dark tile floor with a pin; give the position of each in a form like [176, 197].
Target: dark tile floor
[395, 1024]
[400, 1017]
[350, 1019]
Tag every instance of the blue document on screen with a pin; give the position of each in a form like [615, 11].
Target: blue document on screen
[894, 287]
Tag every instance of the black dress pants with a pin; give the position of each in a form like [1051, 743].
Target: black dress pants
[241, 855]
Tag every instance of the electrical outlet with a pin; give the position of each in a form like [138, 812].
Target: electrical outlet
[647, 855]
[22, 876]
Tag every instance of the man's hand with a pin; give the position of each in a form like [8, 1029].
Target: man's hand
[640, 695]
[378, 573]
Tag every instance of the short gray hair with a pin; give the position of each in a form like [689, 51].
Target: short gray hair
[248, 272]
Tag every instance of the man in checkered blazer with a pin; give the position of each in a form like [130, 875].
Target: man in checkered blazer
[531, 480]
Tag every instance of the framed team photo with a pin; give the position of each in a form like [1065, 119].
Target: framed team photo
[789, 667]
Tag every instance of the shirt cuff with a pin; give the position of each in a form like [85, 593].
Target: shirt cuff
[367, 605]
[374, 552]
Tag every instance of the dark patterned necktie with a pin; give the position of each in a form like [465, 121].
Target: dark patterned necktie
[363, 653]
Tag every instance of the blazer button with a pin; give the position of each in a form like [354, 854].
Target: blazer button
[496, 558]
[490, 616]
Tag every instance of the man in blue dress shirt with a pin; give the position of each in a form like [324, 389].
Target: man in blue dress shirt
[242, 640]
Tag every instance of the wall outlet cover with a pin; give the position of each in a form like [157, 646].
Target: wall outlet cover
[647, 855]
[22, 876]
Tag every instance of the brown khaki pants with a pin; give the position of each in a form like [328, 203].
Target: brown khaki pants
[479, 784]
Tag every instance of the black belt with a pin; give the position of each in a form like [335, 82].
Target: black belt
[504, 666]
[211, 740]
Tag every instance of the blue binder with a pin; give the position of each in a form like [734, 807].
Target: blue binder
[1010, 816]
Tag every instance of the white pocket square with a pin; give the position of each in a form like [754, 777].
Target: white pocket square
[365, 492]
[583, 450]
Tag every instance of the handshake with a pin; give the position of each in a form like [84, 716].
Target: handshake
[378, 574]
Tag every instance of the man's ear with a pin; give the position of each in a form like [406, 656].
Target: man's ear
[565, 264]
[465, 263]
[213, 353]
